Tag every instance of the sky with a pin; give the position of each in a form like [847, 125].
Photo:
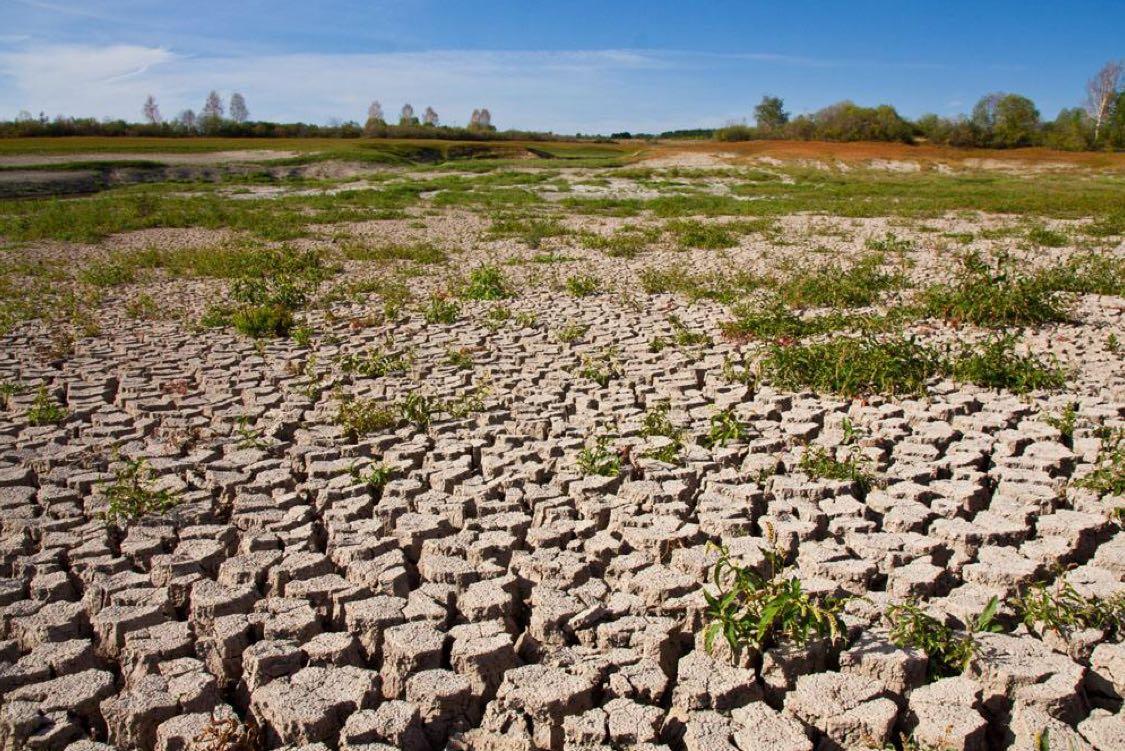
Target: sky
[591, 66]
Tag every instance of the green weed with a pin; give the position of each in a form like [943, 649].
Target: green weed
[45, 410]
[853, 366]
[818, 463]
[948, 651]
[1062, 609]
[131, 495]
[1108, 475]
[487, 283]
[993, 297]
[441, 309]
[599, 458]
[583, 285]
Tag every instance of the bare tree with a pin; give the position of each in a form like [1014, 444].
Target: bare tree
[375, 112]
[406, 117]
[1101, 91]
[186, 120]
[430, 117]
[485, 119]
[151, 111]
[238, 111]
[212, 108]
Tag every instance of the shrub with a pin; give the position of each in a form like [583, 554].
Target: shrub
[834, 286]
[1088, 274]
[375, 362]
[1047, 238]
[359, 417]
[131, 495]
[691, 233]
[751, 610]
[993, 297]
[724, 428]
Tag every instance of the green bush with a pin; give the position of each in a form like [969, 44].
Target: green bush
[996, 364]
[262, 321]
[487, 283]
[994, 298]
[853, 366]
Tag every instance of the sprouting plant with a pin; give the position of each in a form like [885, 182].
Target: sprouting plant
[248, 437]
[724, 428]
[657, 423]
[818, 463]
[657, 344]
[949, 652]
[45, 410]
[890, 243]
[461, 359]
[527, 319]
[1108, 475]
[375, 476]
[851, 433]
[1065, 422]
[8, 390]
[418, 409]
[601, 368]
[684, 336]
[131, 495]
[1062, 609]
[755, 610]
[741, 371]
[1112, 345]
[441, 310]
[600, 458]
[375, 362]
[571, 333]
[302, 335]
[583, 285]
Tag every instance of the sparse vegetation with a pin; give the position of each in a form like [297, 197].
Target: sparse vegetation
[45, 410]
[817, 462]
[133, 493]
[994, 296]
[1062, 609]
[599, 458]
[851, 366]
[487, 283]
[949, 651]
[1108, 475]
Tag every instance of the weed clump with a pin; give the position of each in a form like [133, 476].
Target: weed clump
[996, 364]
[1062, 609]
[834, 286]
[441, 310]
[487, 283]
[818, 463]
[853, 366]
[993, 297]
[359, 417]
[583, 285]
[131, 495]
[1087, 274]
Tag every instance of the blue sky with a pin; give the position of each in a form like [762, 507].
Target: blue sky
[574, 66]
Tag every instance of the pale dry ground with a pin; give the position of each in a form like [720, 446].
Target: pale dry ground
[493, 597]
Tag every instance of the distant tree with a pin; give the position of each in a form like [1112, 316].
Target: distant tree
[186, 120]
[1114, 131]
[24, 117]
[212, 108]
[430, 117]
[375, 112]
[485, 119]
[770, 114]
[238, 111]
[1101, 92]
[151, 111]
[1072, 130]
[406, 117]
[1016, 122]
[984, 111]
[474, 119]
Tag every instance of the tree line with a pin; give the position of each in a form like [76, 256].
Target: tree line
[998, 120]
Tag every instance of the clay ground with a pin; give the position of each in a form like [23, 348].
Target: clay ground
[416, 457]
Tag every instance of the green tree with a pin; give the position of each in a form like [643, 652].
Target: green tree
[770, 114]
[1072, 130]
[1017, 122]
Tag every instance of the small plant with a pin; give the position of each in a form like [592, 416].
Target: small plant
[601, 369]
[8, 390]
[1047, 238]
[227, 734]
[890, 243]
[949, 652]
[1108, 476]
[691, 233]
[131, 495]
[527, 319]
[418, 409]
[45, 410]
[359, 417]
[249, 437]
[833, 286]
[600, 458]
[441, 310]
[571, 333]
[375, 476]
[374, 363]
[462, 358]
[583, 285]
[262, 321]
[656, 423]
[487, 283]
[818, 463]
[685, 337]
[752, 610]
[1062, 609]
[1065, 422]
[724, 428]
[142, 307]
